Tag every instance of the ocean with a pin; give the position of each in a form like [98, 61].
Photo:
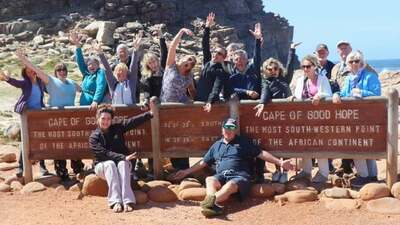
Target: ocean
[385, 64]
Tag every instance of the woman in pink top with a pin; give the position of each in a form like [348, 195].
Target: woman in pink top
[315, 87]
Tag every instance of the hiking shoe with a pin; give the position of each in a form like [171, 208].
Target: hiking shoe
[283, 178]
[301, 175]
[276, 176]
[208, 202]
[358, 182]
[212, 211]
[319, 178]
[373, 179]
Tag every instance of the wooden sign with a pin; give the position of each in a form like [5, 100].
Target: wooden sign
[64, 134]
[190, 129]
[354, 126]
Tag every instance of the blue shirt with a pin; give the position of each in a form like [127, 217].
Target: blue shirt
[61, 94]
[236, 155]
[34, 100]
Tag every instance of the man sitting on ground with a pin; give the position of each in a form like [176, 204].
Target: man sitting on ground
[233, 155]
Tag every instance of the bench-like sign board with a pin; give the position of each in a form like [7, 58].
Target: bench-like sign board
[301, 128]
[64, 134]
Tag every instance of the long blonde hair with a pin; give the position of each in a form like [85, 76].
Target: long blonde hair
[145, 69]
[272, 61]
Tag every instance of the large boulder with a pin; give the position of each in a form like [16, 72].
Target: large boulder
[32, 187]
[342, 204]
[162, 194]
[396, 190]
[4, 187]
[185, 184]
[141, 197]
[384, 205]
[38, 40]
[16, 185]
[105, 33]
[279, 188]
[262, 191]
[8, 166]
[13, 131]
[92, 28]
[298, 196]
[155, 183]
[374, 191]
[193, 194]
[7, 157]
[76, 187]
[95, 186]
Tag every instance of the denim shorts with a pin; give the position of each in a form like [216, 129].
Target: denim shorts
[241, 179]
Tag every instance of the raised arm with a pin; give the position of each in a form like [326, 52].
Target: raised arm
[135, 57]
[139, 119]
[75, 39]
[291, 62]
[257, 33]
[174, 44]
[206, 38]
[5, 76]
[111, 80]
[25, 61]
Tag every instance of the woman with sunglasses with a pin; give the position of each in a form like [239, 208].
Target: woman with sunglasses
[177, 81]
[315, 87]
[62, 92]
[275, 85]
[361, 82]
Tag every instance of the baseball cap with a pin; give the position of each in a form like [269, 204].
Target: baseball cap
[321, 46]
[230, 124]
[342, 42]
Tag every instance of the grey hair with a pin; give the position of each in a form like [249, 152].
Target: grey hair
[312, 59]
[233, 47]
[357, 55]
[122, 46]
[241, 53]
[91, 59]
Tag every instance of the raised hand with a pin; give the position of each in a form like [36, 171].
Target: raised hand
[210, 19]
[96, 46]
[186, 31]
[259, 108]
[257, 33]
[137, 40]
[4, 75]
[20, 54]
[75, 38]
[294, 45]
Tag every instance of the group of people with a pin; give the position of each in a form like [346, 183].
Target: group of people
[226, 73]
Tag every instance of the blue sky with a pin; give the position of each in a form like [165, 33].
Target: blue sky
[371, 26]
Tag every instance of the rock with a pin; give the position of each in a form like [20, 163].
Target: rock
[38, 40]
[396, 190]
[157, 183]
[74, 16]
[94, 185]
[105, 33]
[384, 205]
[23, 36]
[8, 166]
[92, 28]
[134, 26]
[298, 196]
[374, 191]
[342, 204]
[262, 191]
[8, 157]
[188, 184]
[141, 197]
[13, 131]
[162, 194]
[76, 187]
[16, 186]
[32, 187]
[48, 180]
[4, 187]
[174, 188]
[354, 194]
[60, 188]
[336, 193]
[279, 188]
[193, 194]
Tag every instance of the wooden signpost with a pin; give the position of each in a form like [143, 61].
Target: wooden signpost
[361, 129]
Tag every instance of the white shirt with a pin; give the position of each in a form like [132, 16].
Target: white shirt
[122, 94]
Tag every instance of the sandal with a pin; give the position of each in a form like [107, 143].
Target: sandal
[117, 208]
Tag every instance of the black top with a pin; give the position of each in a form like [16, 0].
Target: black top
[274, 88]
[110, 145]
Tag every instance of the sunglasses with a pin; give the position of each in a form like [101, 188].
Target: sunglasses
[354, 61]
[272, 68]
[306, 66]
[59, 70]
[230, 127]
